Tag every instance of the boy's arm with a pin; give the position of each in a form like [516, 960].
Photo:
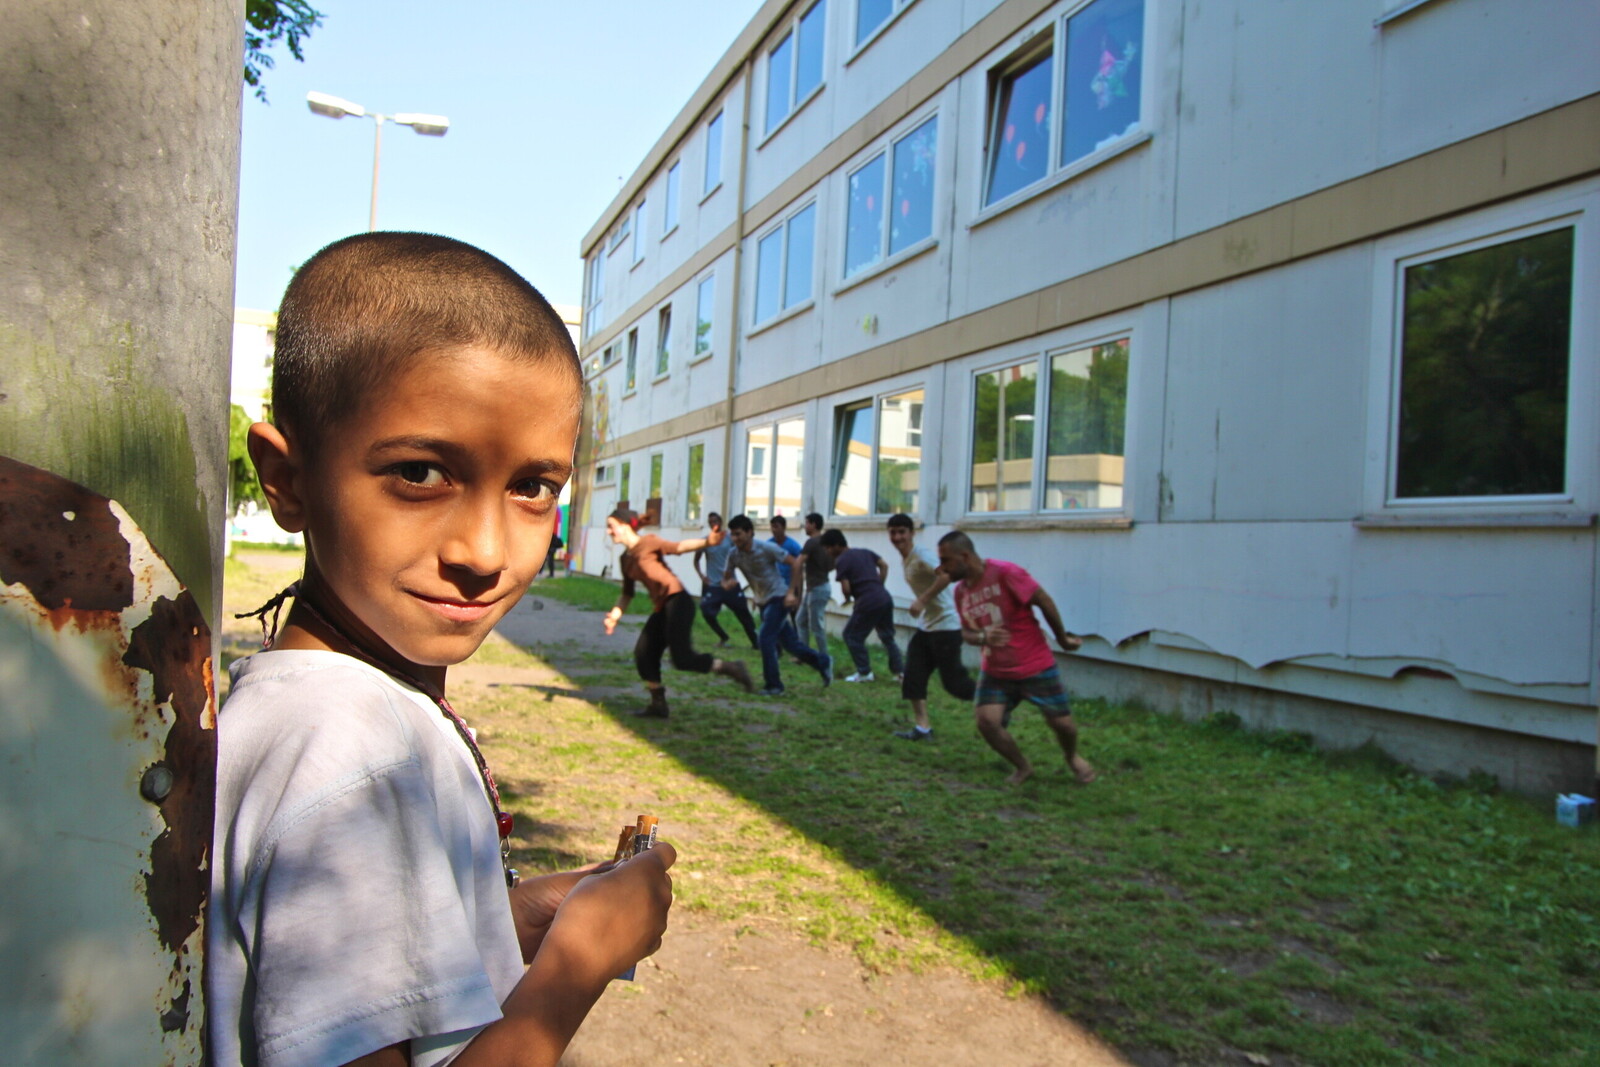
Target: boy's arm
[883, 571]
[941, 582]
[696, 545]
[700, 554]
[1047, 608]
[614, 616]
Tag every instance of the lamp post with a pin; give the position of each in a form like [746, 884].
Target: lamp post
[335, 108]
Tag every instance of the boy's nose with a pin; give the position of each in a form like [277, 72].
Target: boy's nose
[478, 541]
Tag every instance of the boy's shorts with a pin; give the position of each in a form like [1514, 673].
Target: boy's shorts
[1044, 689]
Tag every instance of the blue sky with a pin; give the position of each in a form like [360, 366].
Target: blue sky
[551, 106]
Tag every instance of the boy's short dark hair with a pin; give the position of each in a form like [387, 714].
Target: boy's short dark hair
[741, 522]
[902, 519]
[357, 312]
[779, 520]
[815, 519]
[958, 542]
[833, 539]
[712, 516]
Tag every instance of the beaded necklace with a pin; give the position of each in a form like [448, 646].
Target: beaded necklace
[503, 819]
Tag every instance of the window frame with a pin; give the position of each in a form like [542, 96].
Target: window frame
[873, 402]
[772, 447]
[783, 223]
[1577, 206]
[697, 354]
[884, 150]
[663, 343]
[694, 471]
[1040, 351]
[630, 368]
[594, 293]
[796, 101]
[671, 196]
[861, 42]
[640, 221]
[1051, 36]
[708, 185]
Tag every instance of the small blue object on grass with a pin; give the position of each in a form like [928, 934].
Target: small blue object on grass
[1574, 809]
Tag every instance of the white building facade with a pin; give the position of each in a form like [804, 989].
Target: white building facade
[1263, 334]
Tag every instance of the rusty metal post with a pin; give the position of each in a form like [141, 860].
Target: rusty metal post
[118, 199]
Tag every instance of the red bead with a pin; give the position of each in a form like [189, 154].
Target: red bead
[503, 821]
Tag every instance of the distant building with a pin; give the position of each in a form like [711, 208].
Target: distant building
[1264, 334]
[254, 339]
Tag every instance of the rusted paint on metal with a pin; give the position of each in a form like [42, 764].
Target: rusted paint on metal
[105, 610]
[174, 646]
[62, 542]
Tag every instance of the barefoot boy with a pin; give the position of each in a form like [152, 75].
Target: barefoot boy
[426, 405]
[671, 624]
[995, 600]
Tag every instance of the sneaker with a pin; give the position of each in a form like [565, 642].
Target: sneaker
[914, 734]
[826, 670]
[859, 677]
[772, 691]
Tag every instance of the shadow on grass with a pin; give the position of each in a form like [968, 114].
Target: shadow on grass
[1217, 897]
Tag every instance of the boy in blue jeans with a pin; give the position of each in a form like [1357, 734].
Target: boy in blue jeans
[759, 561]
[426, 404]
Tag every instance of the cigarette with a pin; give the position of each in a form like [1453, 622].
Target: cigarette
[624, 845]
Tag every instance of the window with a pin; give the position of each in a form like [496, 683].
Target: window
[713, 175]
[705, 309]
[591, 311]
[604, 474]
[794, 65]
[1100, 93]
[1483, 377]
[774, 469]
[890, 211]
[653, 501]
[608, 356]
[631, 368]
[621, 233]
[877, 455]
[693, 498]
[669, 211]
[638, 232]
[622, 483]
[783, 264]
[871, 14]
[1081, 452]
[663, 341]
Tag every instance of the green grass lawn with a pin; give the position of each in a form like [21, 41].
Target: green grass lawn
[1217, 894]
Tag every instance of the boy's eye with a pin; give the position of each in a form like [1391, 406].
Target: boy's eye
[419, 473]
[534, 489]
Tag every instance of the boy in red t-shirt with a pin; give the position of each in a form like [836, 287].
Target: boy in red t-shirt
[995, 600]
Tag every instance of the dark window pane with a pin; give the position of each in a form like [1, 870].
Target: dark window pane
[1104, 62]
[852, 460]
[809, 63]
[797, 272]
[780, 62]
[1483, 371]
[863, 240]
[899, 453]
[757, 482]
[1019, 133]
[1002, 439]
[912, 207]
[769, 275]
[870, 14]
[1088, 410]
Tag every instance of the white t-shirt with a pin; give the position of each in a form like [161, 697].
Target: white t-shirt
[921, 569]
[357, 894]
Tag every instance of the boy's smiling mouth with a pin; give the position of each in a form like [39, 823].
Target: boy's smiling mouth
[456, 609]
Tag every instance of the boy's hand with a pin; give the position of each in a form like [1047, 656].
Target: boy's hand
[1069, 642]
[612, 618]
[610, 921]
[715, 537]
[534, 903]
[916, 608]
[790, 600]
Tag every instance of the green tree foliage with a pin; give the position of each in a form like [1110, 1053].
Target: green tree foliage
[266, 22]
[1088, 414]
[1483, 381]
[242, 483]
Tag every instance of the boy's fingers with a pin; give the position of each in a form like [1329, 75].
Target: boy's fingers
[665, 853]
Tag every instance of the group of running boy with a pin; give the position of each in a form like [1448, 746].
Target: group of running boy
[959, 598]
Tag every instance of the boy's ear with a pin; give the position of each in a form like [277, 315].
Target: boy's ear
[278, 467]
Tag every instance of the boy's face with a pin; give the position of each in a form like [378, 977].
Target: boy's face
[741, 537]
[780, 530]
[958, 565]
[430, 511]
[901, 538]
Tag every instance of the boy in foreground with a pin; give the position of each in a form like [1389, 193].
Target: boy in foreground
[362, 909]
[995, 600]
[937, 641]
[671, 624]
[759, 561]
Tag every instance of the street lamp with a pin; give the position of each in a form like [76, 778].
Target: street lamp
[335, 108]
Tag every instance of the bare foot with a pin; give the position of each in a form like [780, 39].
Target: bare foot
[1020, 775]
[1083, 770]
